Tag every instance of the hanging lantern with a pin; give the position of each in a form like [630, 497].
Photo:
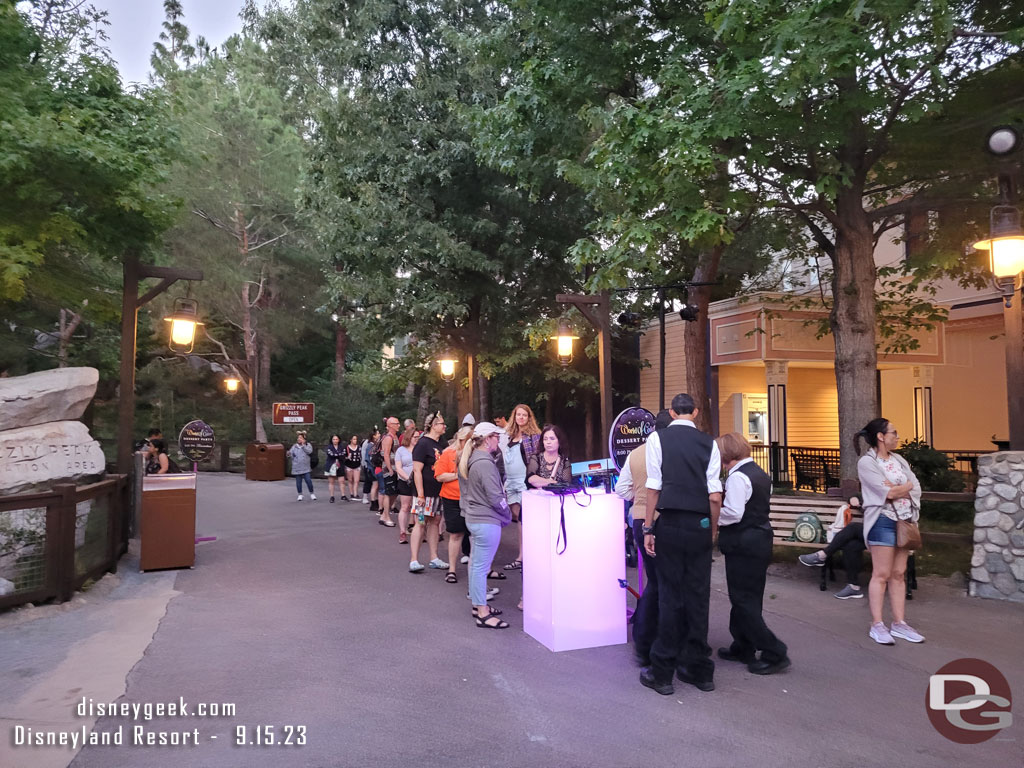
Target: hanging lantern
[183, 320]
[563, 342]
[1005, 245]
[447, 366]
[231, 384]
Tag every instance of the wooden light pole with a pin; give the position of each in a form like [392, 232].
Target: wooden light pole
[134, 272]
[597, 309]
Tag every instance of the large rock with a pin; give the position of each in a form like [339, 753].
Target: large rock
[38, 398]
[35, 458]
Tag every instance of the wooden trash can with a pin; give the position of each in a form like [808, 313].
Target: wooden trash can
[168, 525]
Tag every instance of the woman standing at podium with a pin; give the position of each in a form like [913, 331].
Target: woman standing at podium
[552, 465]
[486, 511]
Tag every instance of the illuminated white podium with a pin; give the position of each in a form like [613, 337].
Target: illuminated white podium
[573, 600]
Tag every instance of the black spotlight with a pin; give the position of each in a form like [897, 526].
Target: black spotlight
[689, 312]
[630, 320]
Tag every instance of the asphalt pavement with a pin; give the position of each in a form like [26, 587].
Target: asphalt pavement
[301, 639]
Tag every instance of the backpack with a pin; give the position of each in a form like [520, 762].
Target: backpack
[807, 529]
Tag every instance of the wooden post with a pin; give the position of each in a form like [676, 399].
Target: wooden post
[126, 397]
[597, 309]
[65, 549]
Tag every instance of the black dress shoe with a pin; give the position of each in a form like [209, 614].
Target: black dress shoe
[769, 667]
[647, 678]
[701, 685]
[726, 654]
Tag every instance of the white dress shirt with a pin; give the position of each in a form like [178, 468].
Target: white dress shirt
[738, 491]
[653, 453]
[624, 485]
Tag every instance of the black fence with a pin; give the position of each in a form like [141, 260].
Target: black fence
[817, 469]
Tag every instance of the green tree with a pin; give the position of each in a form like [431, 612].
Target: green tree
[809, 107]
[238, 172]
[80, 159]
[423, 239]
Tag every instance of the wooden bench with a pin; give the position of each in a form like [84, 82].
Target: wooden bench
[785, 510]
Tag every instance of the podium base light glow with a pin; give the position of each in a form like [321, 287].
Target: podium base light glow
[574, 600]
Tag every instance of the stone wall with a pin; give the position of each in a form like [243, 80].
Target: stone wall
[997, 566]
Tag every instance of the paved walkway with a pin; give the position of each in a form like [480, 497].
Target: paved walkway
[305, 615]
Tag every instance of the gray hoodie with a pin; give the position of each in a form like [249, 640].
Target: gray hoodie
[483, 498]
[300, 458]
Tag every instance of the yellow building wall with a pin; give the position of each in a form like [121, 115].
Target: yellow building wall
[733, 380]
[675, 363]
[813, 408]
[969, 393]
[898, 400]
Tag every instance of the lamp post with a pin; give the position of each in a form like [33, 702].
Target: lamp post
[248, 368]
[597, 309]
[1005, 245]
[134, 272]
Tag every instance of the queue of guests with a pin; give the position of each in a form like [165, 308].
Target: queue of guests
[468, 487]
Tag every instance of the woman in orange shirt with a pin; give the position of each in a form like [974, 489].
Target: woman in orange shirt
[446, 473]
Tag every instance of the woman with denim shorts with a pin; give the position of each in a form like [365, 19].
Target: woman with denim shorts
[890, 492]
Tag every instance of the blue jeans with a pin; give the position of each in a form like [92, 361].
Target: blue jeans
[309, 481]
[485, 538]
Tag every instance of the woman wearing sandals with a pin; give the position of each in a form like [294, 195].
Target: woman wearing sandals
[486, 512]
[334, 469]
[520, 441]
[403, 467]
[353, 461]
[890, 493]
[446, 473]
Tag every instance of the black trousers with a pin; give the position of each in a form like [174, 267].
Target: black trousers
[747, 555]
[645, 617]
[850, 540]
[683, 565]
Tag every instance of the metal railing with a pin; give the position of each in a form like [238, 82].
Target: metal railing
[817, 469]
[52, 543]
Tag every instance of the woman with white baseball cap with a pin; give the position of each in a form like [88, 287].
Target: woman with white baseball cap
[486, 511]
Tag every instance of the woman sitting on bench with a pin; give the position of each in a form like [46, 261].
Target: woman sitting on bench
[847, 536]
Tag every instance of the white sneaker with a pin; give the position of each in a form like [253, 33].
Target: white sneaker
[881, 635]
[906, 632]
[312, 497]
[465, 559]
[300, 497]
[366, 501]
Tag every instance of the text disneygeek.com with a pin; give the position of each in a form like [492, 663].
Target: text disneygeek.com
[150, 735]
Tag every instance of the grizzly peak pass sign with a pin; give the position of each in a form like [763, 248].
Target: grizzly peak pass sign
[629, 430]
[286, 414]
[196, 441]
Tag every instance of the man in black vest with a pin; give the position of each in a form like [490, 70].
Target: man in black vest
[683, 484]
[745, 538]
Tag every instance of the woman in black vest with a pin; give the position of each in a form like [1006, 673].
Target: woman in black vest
[745, 538]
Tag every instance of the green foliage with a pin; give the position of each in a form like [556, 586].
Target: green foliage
[341, 408]
[80, 159]
[423, 239]
[933, 469]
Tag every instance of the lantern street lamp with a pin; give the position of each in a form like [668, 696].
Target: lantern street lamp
[135, 272]
[563, 342]
[183, 320]
[1005, 245]
[446, 364]
[231, 384]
